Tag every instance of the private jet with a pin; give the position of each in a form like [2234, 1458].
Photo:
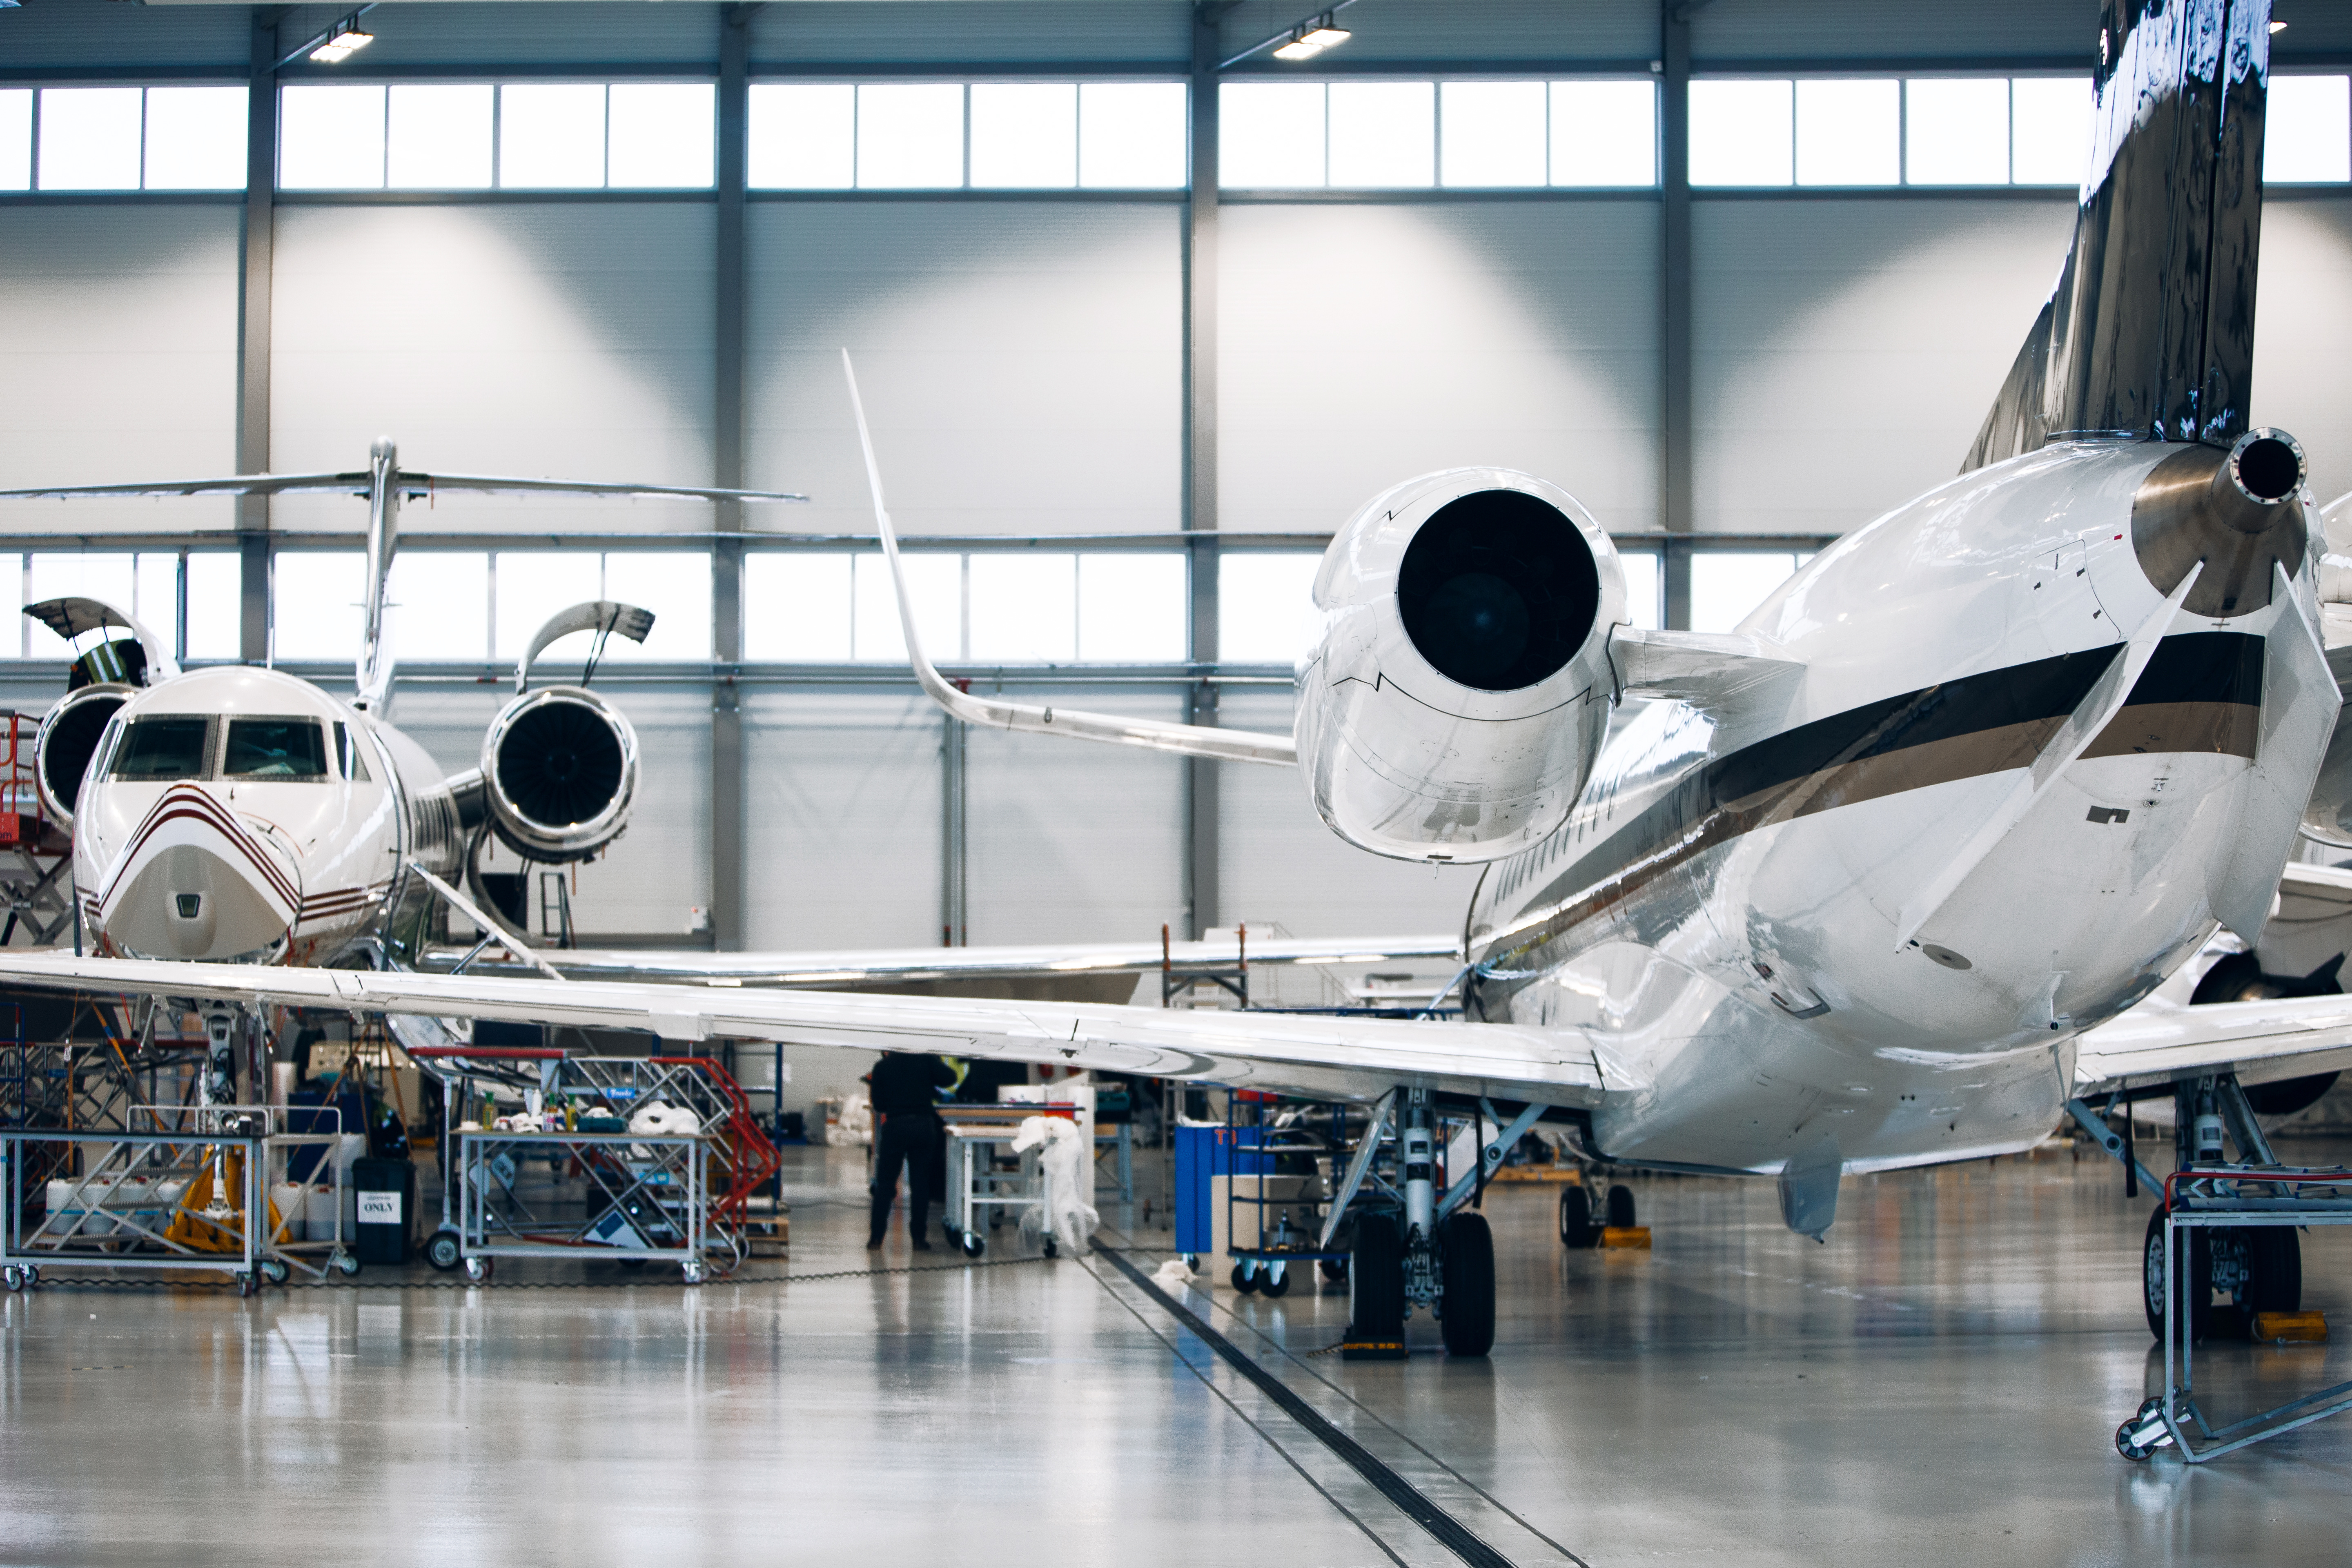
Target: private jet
[1932, 852]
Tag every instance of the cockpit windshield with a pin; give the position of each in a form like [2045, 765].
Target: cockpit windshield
[172, 746]
[279, 749]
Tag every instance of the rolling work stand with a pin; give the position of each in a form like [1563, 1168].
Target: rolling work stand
[2207, 1212]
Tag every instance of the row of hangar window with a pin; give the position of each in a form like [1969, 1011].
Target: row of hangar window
[1588, 134]
[814, 607]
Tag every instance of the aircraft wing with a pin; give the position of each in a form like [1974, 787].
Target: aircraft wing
[916, 965]
[2160, 1041]
[1355, 1058]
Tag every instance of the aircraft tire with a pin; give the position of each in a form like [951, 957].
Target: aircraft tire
[1576, 1227]
[1376, 1280]
[1466, 1262]
[1620, 1208]
[2198, 1258]
[2274, 1271]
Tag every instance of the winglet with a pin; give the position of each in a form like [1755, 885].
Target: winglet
[1185, 740]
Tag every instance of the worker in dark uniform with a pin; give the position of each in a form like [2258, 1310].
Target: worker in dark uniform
[904, 1086]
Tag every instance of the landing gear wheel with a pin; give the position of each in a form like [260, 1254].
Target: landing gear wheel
[1276, 1282]
[2197, 1259]
[1465, 1263]
[2273, 1272]
[478, 1270]
[1575, 1217]
[1376, 1280]
[1244, 1281]
[274, 1270]
[345, 1264]
[1620, 1208]
[441, 1251]
[973, 1244]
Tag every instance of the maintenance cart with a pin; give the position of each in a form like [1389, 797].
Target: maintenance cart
[182, 1190]
[986, 1182]
[546, 1154]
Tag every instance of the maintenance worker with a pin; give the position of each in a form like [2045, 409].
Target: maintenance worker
[906, 1131]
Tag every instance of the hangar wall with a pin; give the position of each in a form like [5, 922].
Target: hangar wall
[1026, 361]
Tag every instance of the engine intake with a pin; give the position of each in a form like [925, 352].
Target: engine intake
[68, 739]
[559, 771]
[1460, 692]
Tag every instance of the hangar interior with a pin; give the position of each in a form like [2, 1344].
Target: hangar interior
[1141, 317]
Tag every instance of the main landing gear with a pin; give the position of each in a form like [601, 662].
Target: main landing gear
[1577, 1228]
[2259, 1268]
[1431, 1253]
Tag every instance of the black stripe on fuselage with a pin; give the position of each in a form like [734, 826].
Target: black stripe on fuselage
[1964, 727]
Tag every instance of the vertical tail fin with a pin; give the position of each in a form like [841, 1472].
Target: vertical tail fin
[2150, 332]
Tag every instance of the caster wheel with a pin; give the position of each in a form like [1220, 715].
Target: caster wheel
[32, 1276]
[973, 1244]
[443, 1252]
[1245, 1281]
[1334, 1270]
[12, 1277]
[274, 1271]
[691, 1269]
[630, 1262]
[346, 1265]
[478, 1270]
[248, 1284]
[1276, 1282]
[1052, 1249]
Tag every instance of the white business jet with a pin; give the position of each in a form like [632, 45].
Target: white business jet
[241, 815]
[1918, 860]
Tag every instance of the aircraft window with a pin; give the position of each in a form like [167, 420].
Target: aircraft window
[275, 748]
[351, 755]
[152, 750]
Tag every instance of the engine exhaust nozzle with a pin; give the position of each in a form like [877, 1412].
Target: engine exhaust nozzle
[2240, 511]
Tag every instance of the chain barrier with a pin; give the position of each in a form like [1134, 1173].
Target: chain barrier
[96, 1282]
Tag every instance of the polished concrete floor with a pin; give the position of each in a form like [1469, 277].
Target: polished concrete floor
[1939, 1383]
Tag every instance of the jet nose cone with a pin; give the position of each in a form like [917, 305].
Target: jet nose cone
[195, 882]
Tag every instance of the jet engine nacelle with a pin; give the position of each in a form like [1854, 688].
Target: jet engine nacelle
[1461, 690]
[67, 741]
[559, 771]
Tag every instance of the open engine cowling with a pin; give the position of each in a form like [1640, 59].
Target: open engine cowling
[559, 771]
[68, 739]
[1460, 692]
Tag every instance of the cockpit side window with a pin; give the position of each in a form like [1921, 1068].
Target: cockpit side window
[351, 754]
[278, 750]
[168, 746]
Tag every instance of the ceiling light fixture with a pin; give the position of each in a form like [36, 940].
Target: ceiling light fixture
[1311, 38]
[342, 46]
[338, 43]
[1302, 42]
